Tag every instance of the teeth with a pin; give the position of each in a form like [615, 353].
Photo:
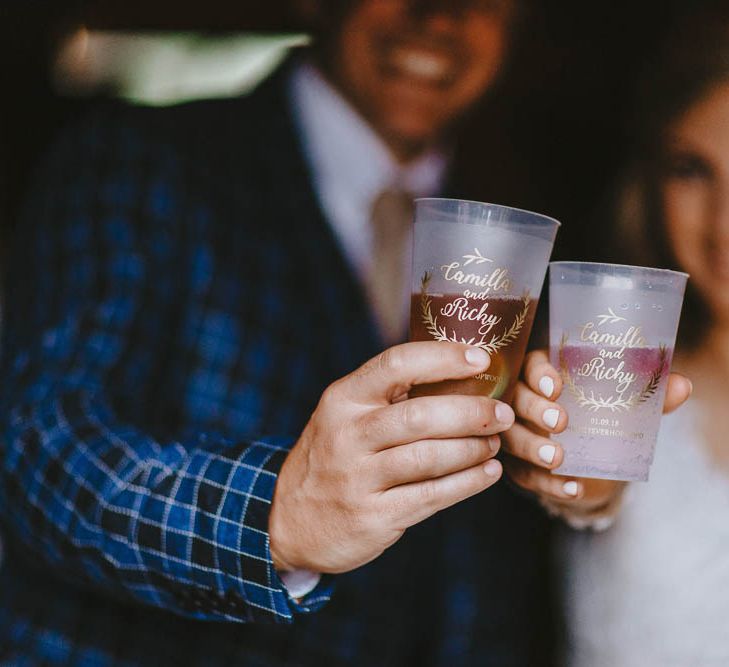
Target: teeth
[422, 65]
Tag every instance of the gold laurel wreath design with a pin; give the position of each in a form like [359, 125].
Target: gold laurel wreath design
[440, 333]
[612, 403]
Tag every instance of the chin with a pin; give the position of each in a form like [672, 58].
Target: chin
[413, 130]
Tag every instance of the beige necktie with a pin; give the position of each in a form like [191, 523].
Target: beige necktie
[392, 215]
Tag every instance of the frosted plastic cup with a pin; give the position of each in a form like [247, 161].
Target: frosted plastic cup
[612, 330]
[478, 270]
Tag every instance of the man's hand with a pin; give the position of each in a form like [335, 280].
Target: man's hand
[533, 454]
[371, 462]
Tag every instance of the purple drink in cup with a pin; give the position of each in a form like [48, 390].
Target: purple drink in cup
[612, 332]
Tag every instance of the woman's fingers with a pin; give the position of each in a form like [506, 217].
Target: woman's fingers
[678, 390]
[427, 459]
[542, 482]
[582, 495]
[538, 412]
[523, 443]
[541, 377]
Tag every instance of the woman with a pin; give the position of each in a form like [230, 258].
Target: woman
[653, 589]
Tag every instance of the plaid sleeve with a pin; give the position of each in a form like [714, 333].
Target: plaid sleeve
[179, 524]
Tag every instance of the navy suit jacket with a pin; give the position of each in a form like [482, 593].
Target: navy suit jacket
[177, 304]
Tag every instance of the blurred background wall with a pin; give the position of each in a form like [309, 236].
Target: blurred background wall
[550, 138]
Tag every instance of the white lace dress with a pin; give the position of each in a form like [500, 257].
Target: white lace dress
[653, 590]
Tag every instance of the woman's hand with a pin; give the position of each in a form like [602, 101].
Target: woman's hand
[532, 454]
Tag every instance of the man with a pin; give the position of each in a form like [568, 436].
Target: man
[189, 442]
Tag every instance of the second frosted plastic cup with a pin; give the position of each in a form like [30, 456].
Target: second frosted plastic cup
[478, 270]
[612, 332]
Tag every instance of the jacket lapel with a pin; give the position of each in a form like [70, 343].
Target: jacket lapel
[339, 315]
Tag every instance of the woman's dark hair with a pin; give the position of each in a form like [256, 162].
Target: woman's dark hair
[692, 58]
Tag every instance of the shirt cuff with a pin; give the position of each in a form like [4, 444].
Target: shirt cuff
[299, 583]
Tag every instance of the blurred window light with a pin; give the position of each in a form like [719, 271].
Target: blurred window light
[167, 68]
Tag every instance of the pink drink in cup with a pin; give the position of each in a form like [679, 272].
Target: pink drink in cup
[612, 332]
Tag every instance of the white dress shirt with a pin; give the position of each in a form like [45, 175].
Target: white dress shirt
[350, 166]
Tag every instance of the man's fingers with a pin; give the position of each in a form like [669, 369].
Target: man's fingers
[541, 376]
[678, 390]
[409, 504]
[538, 412]
[395, 371]
[523, 443]
[428, 459]
[433, 417]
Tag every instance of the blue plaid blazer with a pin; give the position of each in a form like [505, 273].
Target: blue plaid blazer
[175, 307]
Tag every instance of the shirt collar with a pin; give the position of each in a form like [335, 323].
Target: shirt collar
[345, 152]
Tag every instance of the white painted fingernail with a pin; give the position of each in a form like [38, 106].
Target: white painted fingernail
[477, 357]
[551, 417]
[546, 386]
[546, 453]
[570, 488]
[492, 468]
